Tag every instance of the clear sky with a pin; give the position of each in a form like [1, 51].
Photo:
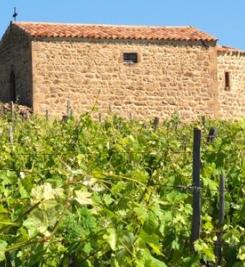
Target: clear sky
[223, 18]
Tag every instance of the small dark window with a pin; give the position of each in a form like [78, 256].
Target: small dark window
[12, 88]
[227, 81]
[130, 58]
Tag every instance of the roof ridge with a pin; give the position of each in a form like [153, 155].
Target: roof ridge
[106, 31]
[104, 25]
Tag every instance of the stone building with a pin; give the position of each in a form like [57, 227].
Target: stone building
[142, 71]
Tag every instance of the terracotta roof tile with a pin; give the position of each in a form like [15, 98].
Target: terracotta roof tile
[113, 32]
[227, 49]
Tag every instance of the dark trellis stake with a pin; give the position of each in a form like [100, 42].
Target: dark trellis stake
[11, 135]
[68, 109]
[100, 117]
[155, 123]
[211, 135]
[203, 120]
[220, 220]
[130, 116]
[46, 114]
[196, 204]
[72, 261]
[71, 113]
[110, 109]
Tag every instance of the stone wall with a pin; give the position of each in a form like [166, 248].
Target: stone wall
[232, 100]
[171, 76]
[15, 55]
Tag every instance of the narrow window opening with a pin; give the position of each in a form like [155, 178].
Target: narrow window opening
[130, 58]
[227, 81]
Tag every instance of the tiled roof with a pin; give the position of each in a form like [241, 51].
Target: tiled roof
[113, 32]
[227, 49]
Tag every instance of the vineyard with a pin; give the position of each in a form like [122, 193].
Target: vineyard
[117, 193]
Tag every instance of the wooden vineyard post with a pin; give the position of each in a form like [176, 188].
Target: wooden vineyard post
[155, 123]
[100, 117]
[46, 114]
[211, 135]
[110, 109]
[203, 120]
[72, 261]
[196, 202]
[11, 136]
[130, 116]
[68, 109]
[220, 220]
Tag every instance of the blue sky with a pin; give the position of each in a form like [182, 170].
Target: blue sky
[223, 18]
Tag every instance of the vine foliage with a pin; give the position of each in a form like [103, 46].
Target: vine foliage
[116, 193]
